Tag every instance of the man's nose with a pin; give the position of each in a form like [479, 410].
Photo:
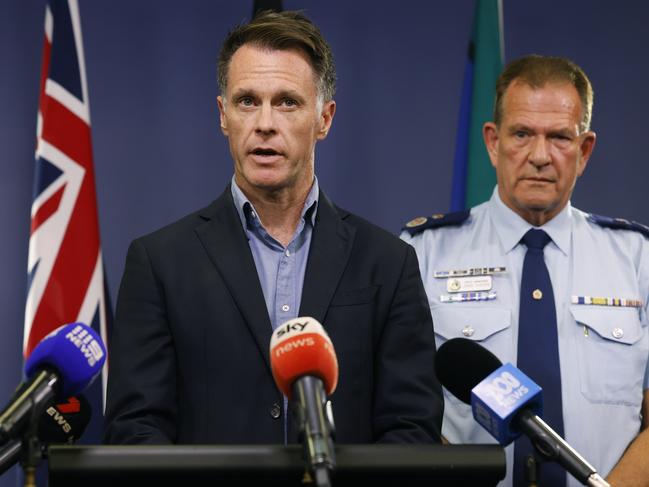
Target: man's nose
[540, 153]
[265, 123]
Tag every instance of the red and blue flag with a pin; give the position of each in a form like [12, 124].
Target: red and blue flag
[65, 268]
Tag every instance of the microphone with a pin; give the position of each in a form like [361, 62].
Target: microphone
[59, 423]
[65, 422]
[506, 403]
[305, 369]
[63, 364]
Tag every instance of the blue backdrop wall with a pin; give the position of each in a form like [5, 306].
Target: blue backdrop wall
[159, 153]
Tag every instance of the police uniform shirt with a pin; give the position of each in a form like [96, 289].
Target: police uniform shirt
[603, 348]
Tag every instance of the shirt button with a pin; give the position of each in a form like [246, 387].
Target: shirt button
[468, 331]
[288, 253]
[286, 307]
[275, 411]
[618, 332]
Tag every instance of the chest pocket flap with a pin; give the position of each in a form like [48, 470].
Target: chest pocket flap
[474, 322]
[611, 354]
[621, 325]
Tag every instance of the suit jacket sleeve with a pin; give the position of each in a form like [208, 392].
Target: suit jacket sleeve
[408, 404]
[142, 403]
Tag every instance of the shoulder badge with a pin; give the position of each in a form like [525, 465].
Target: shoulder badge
[619, 224]
[437, 220]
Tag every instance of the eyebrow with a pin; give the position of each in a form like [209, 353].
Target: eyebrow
[558, 130]
[281, 94]
[243, 92]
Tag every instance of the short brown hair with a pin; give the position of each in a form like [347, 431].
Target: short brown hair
[537, 71]
[281, 31]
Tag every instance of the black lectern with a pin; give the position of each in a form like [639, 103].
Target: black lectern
[274, 465]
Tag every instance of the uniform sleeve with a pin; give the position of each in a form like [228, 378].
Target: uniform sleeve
[644, 290]
[141, 401]
[408, 398]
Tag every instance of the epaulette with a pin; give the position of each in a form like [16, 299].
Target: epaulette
[437, 220]
[619, 224]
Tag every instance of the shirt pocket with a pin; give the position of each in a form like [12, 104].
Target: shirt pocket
[612, 353]
[488, 326]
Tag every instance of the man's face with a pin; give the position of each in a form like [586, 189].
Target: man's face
[272, 118]
[538, 150]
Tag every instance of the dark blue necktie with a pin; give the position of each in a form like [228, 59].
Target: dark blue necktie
[538, 354]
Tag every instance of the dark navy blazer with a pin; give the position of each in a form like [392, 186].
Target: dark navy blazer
[189, 352]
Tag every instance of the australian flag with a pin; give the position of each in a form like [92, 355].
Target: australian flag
[65, 269]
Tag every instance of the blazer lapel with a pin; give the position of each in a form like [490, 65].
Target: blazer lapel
[331, 247]
[225, 242]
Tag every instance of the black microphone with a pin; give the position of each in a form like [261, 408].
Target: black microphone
[506, 402]
[63, 364]
[65, 422]
[305, 369]
[59, 423]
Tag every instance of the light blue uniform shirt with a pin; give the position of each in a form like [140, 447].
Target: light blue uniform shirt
[603, 350]
[280, 269]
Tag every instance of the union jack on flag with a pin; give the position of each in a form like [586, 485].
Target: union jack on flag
[65, 268]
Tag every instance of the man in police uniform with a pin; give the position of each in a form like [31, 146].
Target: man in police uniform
[472, 264]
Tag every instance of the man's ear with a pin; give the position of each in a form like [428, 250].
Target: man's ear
[326, 117]
[222, 117]
[490, 136]
[586, 149]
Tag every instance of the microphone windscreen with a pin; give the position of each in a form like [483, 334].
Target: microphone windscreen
[301, 347]
[461, 364]
[75, 351]
[65, 422]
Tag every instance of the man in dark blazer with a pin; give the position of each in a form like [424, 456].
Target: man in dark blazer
[199, 299]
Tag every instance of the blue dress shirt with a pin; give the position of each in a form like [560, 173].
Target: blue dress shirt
[280, 269]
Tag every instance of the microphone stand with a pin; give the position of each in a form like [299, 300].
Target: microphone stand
[315, 428]
[32, 451]
[531, 472]
[551, 446]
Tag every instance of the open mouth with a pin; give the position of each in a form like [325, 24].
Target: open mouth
[265, 152]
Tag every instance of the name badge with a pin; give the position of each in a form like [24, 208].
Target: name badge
[469, 284]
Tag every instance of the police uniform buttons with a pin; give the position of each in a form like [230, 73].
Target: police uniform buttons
[468, 331]
[275, 411]
[617, 333]
[537, 294]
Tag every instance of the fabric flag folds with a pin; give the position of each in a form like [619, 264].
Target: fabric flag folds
[473, 175]
[65, 267]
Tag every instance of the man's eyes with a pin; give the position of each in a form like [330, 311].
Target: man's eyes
[561, 137]
[246, 101]
[249, 101]
[290, 102]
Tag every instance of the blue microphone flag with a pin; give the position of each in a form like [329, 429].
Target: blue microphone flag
[75, 351]
[497, 399]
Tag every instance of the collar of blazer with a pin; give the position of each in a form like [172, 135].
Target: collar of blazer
[225, 242]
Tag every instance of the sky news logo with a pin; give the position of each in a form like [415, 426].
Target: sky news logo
[293, 326]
